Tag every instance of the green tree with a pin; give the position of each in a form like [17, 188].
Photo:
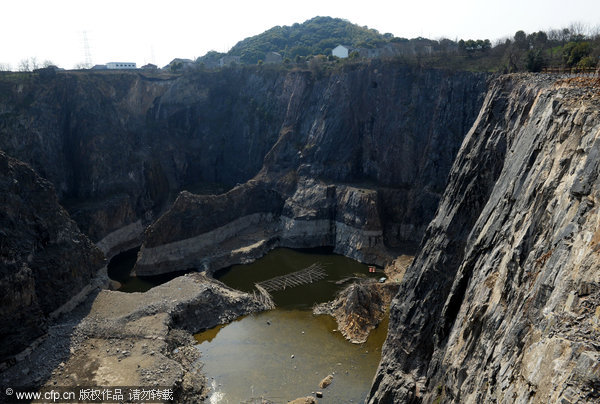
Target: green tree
[573, 52]
[587, 62]
[521, 40]
[535, 61]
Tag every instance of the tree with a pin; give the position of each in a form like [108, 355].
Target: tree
[521, 40]
[535, 61]
[587, 62]
[573, 52]
[537, 40]
[24, 65]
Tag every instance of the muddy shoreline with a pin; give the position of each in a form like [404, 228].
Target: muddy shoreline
[133, 339]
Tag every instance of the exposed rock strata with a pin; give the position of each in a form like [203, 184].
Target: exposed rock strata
[44, 259]
[359, 164]
[118, 146]
[205, 232]
[359, 308]
[501, 303]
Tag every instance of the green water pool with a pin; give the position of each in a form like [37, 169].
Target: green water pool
[284, 353]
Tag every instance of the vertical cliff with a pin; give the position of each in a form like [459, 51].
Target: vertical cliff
[119, 146]
[501, 303]
[44, 259]
[359, 163]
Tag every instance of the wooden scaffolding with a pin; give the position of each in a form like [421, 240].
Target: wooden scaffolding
[310, 274]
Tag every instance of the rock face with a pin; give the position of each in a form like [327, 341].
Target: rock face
[119, 146]
[358, 163]
[44, 259]
[359, 308]
[501, 302]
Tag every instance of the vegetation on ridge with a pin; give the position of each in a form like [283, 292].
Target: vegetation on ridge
[317, 36]
[567, 48]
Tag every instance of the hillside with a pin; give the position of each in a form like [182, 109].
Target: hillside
[317, 36]
[572, 48]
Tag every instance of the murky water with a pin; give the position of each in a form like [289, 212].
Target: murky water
[284, 353]
[119, 269]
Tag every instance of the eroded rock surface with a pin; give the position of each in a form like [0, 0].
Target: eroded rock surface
[501, 303]
[359, 308]
[45, 260]
[358, 162]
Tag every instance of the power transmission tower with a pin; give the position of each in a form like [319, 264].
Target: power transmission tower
[86, 51]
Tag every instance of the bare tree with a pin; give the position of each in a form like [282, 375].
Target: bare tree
[34, 63]
[30, 64]
[24, 65]
[578, 31]
[595, 32]
[5, 67]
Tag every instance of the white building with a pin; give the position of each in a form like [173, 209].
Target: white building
[341, 51]
[120, 65]
[229, 60]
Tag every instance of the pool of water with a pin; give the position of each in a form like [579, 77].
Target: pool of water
[119, 269]
[284, 353]
[285, 260]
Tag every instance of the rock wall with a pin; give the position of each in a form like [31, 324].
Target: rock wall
[501, 303]
[359, 163]
[209, 232]
[44, 259]
[119, 146]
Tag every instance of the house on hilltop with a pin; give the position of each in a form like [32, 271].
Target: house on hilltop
[179, 64]
[273, 57]
[120, 65]
[341, 51]
[227, 60]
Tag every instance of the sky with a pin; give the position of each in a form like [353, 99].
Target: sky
[156, 32]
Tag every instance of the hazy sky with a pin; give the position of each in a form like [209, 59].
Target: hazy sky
[158, 31]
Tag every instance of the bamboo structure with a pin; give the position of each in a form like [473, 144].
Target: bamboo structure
[310, 274]
[263, 297]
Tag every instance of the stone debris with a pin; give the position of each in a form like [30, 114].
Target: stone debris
[326, 381]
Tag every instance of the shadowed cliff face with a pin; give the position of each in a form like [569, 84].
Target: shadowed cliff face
[119, 146]
[44, 258]
[501, 303]
[359, 163]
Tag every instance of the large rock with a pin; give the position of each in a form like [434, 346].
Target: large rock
[359, 308]
[498, 306]
[44, 259]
